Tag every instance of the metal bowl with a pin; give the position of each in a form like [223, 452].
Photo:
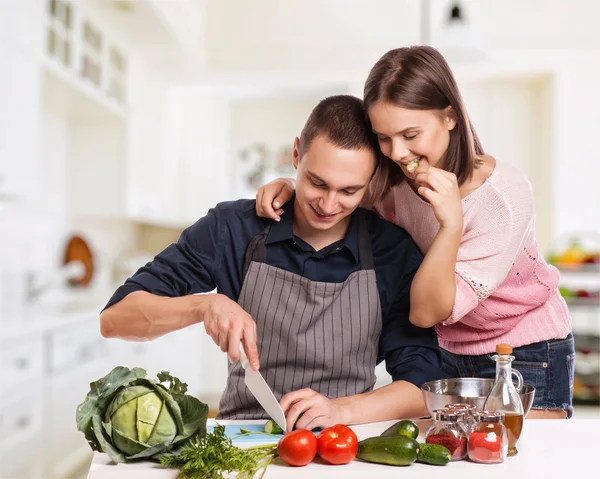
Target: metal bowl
[467, 390]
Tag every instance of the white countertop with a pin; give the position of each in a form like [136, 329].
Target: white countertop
[547, 449]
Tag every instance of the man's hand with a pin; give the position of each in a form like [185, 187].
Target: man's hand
[316, 410]
[227, 324]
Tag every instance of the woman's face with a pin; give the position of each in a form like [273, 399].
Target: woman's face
[408, 135]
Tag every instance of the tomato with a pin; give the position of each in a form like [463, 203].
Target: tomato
[297, 448]
[337, 444]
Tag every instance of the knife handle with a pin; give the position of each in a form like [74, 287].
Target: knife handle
[243, 357]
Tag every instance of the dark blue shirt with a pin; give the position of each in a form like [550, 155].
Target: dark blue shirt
[210, 254]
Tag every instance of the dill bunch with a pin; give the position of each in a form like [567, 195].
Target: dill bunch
[214, 455]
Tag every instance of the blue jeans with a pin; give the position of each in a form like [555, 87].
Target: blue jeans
[549, 366]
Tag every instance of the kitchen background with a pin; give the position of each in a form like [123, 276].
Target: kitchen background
[122, 122]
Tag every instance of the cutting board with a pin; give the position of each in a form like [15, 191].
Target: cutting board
[232, 430]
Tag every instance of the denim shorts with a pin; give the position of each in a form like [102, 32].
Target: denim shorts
[549, 366]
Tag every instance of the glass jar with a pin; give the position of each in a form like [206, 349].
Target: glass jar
[488, 441]
[447, 429]
[468, 409]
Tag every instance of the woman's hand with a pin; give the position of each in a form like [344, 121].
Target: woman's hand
[440, 189]
[316, 410]
[272, 196]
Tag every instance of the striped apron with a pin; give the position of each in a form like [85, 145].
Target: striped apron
[310, 334]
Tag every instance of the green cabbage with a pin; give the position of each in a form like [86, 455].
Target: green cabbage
[129, 416]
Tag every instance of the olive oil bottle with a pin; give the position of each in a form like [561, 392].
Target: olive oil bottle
[504, 396]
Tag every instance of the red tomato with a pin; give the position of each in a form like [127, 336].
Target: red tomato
[297, 448]
[337, 444]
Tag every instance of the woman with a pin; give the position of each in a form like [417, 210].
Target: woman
[483, 280]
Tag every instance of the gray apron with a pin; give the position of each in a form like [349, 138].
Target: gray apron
[310, 334]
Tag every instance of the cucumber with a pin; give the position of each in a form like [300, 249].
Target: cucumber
[402, 428]
[271, 427]
[394, 451]
[434, 454]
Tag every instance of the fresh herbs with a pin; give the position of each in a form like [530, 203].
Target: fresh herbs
[248, 432]
[214, 455]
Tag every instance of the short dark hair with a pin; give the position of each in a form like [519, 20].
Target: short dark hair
[343, 120]
[419, 78]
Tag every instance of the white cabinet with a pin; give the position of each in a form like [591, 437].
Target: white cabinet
[46, 374]
[199, 144]
[96, 162]
[21, 406]
[77, 355]
[21, 25]
[19, 121]
[179, 162]
[150, 177]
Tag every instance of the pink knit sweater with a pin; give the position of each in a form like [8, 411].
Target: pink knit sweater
[505, 291]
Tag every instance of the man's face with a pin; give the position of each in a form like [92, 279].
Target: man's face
[331, 182]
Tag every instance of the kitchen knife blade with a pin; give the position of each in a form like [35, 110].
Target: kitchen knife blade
[261, 391]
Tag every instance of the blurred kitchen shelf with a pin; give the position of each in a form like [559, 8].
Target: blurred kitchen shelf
[586, 411]
[586, 390]
[594, 401]
[587, 302]
[577, 268]
[81, 98]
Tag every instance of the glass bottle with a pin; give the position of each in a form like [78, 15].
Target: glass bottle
[469, 410]
[447, 430]
[504, 396]
[488, 441]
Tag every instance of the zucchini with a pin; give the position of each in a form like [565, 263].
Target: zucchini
[402, 428]
[394, 451]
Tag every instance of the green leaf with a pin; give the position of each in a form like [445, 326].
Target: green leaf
[175, 385]
[172, 405]
[104, 443]
[164, 429]
[127, 444]
[193, 414]
[150, 453]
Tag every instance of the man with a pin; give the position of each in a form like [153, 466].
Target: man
[324, 293]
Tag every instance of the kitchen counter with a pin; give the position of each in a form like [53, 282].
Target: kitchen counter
[547, 449]
[78, 306]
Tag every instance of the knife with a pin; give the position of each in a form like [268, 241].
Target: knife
[261, 391]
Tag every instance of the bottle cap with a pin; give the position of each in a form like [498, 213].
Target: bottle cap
[504, 349]
[461, 406]
[446, 414]
[487, 416]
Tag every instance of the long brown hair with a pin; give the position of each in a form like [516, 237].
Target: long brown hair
[419, 78]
